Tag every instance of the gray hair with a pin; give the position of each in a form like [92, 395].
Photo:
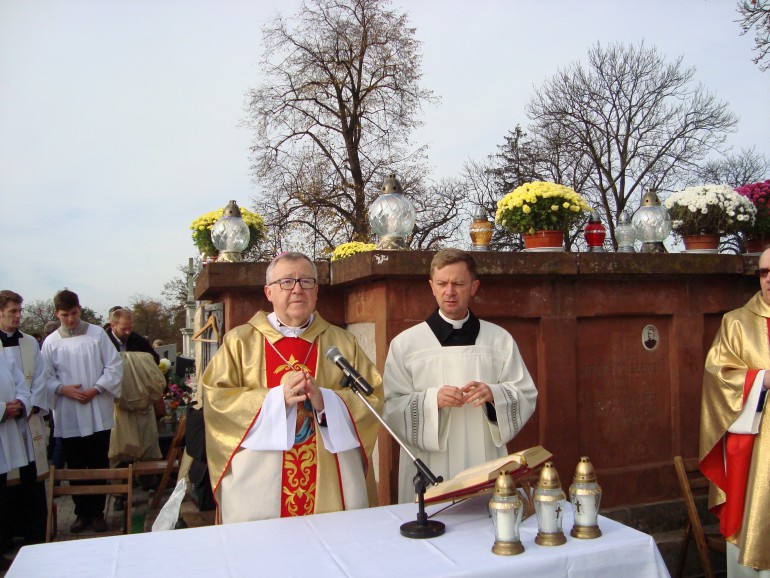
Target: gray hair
[291, 256]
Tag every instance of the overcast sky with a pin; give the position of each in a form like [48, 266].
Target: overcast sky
[120, 120]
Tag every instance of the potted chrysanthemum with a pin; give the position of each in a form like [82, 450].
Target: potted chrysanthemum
[201, 230]
[702, 214]
[349, 249]
[757, 239]
[541, 212]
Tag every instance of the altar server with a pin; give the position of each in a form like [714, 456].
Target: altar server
[456, 387]
[84, 374]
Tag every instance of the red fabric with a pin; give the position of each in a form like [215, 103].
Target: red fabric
[300, 463]
[727, 466]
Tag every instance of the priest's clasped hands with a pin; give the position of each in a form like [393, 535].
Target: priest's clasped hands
[299, 386]
[473, 393]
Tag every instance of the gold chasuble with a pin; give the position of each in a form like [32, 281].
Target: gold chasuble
[251, 360]
[738, 465]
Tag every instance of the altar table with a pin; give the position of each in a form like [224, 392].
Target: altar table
[361, 543]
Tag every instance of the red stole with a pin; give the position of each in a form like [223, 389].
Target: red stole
[727, 467]
[298, 479]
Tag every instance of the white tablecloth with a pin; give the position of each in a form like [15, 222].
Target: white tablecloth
[363, 543]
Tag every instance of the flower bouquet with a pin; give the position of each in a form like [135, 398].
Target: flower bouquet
[759, 195]
[177, 394]
[710, 210]
[349, 249]
[541, 206]
[201, 230]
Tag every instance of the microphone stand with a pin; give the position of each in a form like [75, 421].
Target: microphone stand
[422, 527]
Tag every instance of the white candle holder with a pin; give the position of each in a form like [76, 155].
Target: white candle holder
[506, 509]
[585, 494]
[549, 507]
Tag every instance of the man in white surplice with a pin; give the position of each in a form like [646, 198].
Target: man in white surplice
[456, 388]
[84, 372]
[23, 351]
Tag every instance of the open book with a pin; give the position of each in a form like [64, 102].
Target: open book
[480, 478]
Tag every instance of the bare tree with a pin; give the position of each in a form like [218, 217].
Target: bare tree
[735, 170]
[626, 120]
[441, 213]
[36, 314]
[157, 320]
[755, 15]
[339, 98]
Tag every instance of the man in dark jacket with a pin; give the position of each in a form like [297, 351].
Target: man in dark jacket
[120, 333]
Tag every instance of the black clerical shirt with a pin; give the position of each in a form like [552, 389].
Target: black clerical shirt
[11, 340]
[448, 336]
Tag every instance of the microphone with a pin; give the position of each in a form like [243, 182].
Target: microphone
[333, 354]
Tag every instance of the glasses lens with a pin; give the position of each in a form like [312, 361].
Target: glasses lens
[287, 284]
[762, 273]
[307, 283]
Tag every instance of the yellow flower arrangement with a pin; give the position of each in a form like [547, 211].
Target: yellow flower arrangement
[350, 249]
[201, 229]
[540, 206]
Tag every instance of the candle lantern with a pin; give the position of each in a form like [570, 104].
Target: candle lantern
[625, 235]
[230, 234]
[506, 509]
[585, 496]
[652, 223]
[392, 215]
[481, 230]
[549, 506]
[595, 232]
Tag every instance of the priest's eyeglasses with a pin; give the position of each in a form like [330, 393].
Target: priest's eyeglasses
[287, 283]
[762, 273]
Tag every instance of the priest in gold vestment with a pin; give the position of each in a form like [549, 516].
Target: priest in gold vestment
[734, 436]
[283, 438]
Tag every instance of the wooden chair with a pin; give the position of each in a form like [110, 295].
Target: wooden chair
[693, 482]
[118, 482]
[164, 467]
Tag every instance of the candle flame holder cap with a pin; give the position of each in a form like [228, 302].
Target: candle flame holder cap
[504, 485]
[584, 472]
[549, 478]
[391, 185]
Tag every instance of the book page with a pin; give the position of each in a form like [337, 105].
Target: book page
[481, 477]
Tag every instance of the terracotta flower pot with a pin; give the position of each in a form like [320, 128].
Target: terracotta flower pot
[544, 240]
[701, 243]
[756, 245]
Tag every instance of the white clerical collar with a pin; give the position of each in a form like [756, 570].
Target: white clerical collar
[286, 330]
[456, 323]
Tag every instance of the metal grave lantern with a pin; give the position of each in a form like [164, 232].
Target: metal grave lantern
[481, 230]
[625, 234]
[391, 215]
[595, 233]
[230, 234]
[549, 501]
[585, 496]
[652, 223]
[506, 509]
